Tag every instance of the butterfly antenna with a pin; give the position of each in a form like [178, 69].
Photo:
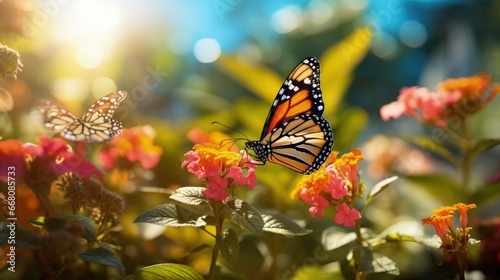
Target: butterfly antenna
[233, 129]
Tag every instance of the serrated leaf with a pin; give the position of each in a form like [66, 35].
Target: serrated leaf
[280, 224]
[102, 256]
[243, 214]
[482, 146]
[166, 215]
[23, 238]
[190, 195]
[379, 187]
[383, 264]
[57, 223]
[432, 146]
[440, 186]
[229, 246]
[170, 271]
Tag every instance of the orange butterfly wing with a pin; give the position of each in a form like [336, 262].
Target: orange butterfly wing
[299, 94]
[295, 134]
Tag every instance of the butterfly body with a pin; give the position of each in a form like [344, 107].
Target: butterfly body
[96, 125]
[295, 134]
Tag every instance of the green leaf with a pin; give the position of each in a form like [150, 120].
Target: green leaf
[440, 186]
[432, 146]
[406, 227]
[256, 78]
[379, 187]
[170, 271]
[349, 123]
[336, 240]
[280, 224]
[190, 196]
[432, 241]
[338, 63]
[169, 215]
[482, 146]
[38, 222]
[486, 193]
[57, 223]
[229, 246]
[363, 256]
[383, 264]
[316, 272]
[243, 214]
[102, 256]
[22, 237]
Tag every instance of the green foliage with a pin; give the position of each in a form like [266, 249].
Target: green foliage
[229, 246]
[278, 223]
[243, 214]
[316, 272]
[440, 186]
[102, 256]
[166, 271]
[378, 188]
[189, 208]
[23, 238]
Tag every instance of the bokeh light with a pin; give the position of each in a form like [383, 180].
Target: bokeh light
[286, 19]
[384, 45]
[413, 34]
[207, 50]
[102, 86]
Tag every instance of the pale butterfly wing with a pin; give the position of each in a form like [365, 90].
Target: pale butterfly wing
[95, 126]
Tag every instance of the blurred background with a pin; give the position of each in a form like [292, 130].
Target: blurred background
[177, 60]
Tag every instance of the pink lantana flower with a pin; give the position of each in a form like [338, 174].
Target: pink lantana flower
[422, 104]
[133, 145]
[346, 216]
[220, 170]
[58, 156]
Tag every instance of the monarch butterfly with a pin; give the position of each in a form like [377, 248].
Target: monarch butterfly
[295, 134]
[96, 125]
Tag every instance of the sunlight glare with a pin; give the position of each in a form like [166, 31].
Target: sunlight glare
[70, 89]
[89, 56]
[87, 19]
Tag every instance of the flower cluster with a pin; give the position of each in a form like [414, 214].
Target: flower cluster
[90, 194]
[43, 162]
[133, 145]
[456, 98]
[220, 170]
[337, 184]
[422, 104]
[452, 241]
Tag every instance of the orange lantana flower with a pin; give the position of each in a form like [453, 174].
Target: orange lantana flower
[220, 170]
[336, 183]
[453, 242]
[475, 94]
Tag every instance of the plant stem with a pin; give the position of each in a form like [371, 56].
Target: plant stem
[461, 275]
[218, 234]
[466, 164]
